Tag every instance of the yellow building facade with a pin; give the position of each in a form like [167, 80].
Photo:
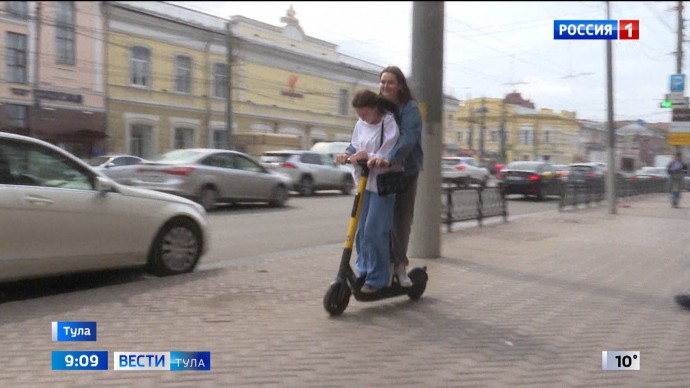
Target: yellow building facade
[169, 71]
[162, 79]
[287, 83]
[529, 134]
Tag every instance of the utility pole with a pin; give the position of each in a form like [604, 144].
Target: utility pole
[470, 133]
[229, 141]
[427, 77]
[679, 48]
[36, 114]
[611, 173]
[679, 43]
[502, 133]
[482, 131]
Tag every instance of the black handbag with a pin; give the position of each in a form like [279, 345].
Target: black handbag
[394, 182]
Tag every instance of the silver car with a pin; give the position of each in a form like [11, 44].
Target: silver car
[58, 215]
[463, 170]
[119, 168]
[211, 176]
[310, 171]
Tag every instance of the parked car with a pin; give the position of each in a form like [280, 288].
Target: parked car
[310, 171]
[330, 147]
[210, 176]
[592, 174]
[463, 170]
[119, 168]
[531, 178]
[652, 173]
[563, 170]
[60, 216]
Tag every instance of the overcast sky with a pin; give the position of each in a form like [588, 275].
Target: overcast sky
[492, 48]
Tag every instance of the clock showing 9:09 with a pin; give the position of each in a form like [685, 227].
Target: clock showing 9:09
[80, 360]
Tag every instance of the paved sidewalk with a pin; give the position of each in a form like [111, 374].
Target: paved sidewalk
[531, 302]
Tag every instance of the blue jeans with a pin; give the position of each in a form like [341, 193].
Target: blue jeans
[675, 188]
[373, 238]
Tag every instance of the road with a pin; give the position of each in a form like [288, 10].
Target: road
[247, 233]
[255, 231]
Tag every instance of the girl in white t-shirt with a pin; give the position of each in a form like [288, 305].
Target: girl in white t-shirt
[374, 135]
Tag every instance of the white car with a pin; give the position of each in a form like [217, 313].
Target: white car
[119, 168]
[331, 147]
[310, 171]
[60, 216]
[463, 170]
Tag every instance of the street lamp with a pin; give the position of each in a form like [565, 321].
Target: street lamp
[482, 129]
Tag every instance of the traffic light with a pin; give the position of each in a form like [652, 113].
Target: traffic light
[666, 104]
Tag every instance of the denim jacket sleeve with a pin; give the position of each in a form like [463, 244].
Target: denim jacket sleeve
[410, 133]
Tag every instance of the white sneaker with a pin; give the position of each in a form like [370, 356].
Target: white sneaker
[403, 279]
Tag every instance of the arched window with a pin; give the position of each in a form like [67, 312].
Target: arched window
[184, 138]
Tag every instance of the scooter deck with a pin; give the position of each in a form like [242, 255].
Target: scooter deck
[395, 289]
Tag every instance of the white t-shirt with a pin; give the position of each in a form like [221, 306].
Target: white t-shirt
[367, 137]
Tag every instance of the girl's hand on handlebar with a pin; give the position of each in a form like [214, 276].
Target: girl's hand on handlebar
[360, 155]
[342, 158]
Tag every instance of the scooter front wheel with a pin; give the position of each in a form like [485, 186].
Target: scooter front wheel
[337, 297]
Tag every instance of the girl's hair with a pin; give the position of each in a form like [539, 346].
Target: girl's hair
[404, 94]
[367, 99]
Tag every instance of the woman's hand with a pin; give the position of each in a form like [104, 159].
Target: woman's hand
[378, 162]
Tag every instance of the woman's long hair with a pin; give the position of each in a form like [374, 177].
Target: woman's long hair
[365, 98]
[404, 94]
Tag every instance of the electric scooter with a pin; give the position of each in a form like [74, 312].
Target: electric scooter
[337, 296]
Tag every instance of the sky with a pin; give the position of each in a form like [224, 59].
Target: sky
[494, 48]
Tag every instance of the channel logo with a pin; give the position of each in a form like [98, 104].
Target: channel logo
[173, 361]
[596, 29]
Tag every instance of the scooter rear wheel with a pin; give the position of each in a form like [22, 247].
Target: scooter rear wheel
[419, 278]
[337, 298]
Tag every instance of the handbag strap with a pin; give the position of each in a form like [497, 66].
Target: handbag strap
[381, 140]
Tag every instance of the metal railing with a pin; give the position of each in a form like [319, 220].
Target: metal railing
[465, 203]
[576, 193]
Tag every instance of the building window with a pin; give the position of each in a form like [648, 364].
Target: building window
[16, 116]
[220, 80]
[527, 135]
[547, 136]
[17, 9]
[184, 138]
[16, 58]
[219, 137]
[139, 66]
[64, 32]
[141, 141]
[344, 101]
[458, 136]
[493, 135]
[183, 74]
